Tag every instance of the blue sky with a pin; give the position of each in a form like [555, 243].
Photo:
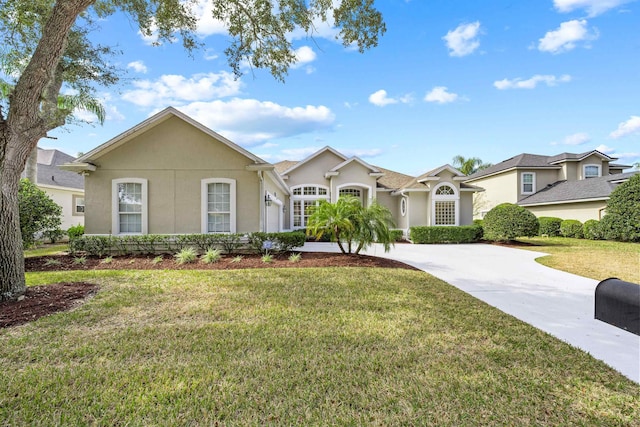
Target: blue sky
[490, 79]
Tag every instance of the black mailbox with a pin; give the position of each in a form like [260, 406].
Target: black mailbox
[618, 303]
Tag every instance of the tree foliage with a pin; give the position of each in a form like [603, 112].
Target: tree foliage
[39, 214]
[622, 218]
[508, 221]
[469, 165]
[46, 48]
[350, 224]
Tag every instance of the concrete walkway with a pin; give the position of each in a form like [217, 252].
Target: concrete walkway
[556, 302]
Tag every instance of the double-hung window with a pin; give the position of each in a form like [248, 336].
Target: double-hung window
[129, 201]
[78, 205]
[528, 182]
[591, 171]
[218, 205]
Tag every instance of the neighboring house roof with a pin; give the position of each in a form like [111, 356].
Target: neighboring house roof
[50, 174]
[575, 191]
[524, 160]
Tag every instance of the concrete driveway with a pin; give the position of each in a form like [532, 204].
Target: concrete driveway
[556, 302]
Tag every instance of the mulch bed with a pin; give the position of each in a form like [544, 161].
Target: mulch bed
[40, 301]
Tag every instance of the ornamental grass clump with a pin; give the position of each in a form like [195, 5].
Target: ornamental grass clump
[211, 255]
[186, 256]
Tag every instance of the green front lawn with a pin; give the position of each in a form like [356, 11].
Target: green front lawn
[597, 259]
[349, 346]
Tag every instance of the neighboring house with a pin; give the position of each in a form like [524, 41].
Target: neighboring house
[568, 185]
[64, 187]
[170, 174]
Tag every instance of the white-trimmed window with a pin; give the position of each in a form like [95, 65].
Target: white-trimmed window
[303, 200]
[591, 171]
[218, 205]
[446, 205]
[78, 205]
[129, 205]
[528, 182]
[403, 206]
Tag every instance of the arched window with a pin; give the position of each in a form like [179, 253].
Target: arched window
[445, 205]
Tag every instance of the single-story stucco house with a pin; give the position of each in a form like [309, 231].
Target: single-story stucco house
[172, 175]
[567, 185]
[65, 188]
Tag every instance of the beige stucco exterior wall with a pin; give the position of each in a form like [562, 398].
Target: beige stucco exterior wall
[466, 208]
[580, 211]
[543, 178]
[174, 157]
[353, 175]
[64, 197]
[392, 203]
[569, 171]
[418, 208]
[502, 188]
[313, 171]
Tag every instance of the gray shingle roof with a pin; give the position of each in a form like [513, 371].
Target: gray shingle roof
[565, 191]
[50, 174]
[523, 160]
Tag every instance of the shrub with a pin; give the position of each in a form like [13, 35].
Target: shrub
[622, 219]
[186, 255]
[397, 235]
[279, 242]
[53, 235]
[592, 230]
[38, 212]
[437, 234]
[295, 257]
[75, 231]
[508, 221]
[549, 226]
[571, 228]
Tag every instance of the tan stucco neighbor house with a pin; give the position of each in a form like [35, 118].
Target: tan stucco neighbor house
[63, 187]
[567, 185]
[172, 175]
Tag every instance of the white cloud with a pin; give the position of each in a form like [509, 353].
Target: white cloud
[138, 67]
[440, 95]
[206, 24]
[605, 149]
[252, 122]
[593, 7]
[175, 89]
[629, 127]
[463, 40]
[577, 139]
[361, 152]
[532, 82]
[566, 36]
[381, 99]
[304, 56]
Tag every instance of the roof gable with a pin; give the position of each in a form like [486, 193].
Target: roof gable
[153, 121]
[435, 173]
[313, 156]
[372, 169]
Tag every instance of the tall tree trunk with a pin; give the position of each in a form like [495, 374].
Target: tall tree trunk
[31, 170]
[12, 281]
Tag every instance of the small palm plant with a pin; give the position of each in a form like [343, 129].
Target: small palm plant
[295, 257]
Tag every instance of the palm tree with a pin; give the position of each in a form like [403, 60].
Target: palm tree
[469, 165]
[347, 221]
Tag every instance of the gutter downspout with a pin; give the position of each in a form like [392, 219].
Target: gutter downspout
[263, 211]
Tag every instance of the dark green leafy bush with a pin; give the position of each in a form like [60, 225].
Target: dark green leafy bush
[39, 214]
[622, 219]
[397, 235]
[454, 234]
[508, 221]
[276, 242]
[592, 230]
[75, 231]
[571, 228]
[549, 226]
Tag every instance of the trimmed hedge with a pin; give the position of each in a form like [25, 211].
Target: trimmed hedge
[397, 235]
[508, 221]
[453, 234]
[276, 242]
[571, 228]
[549, 226]
[163, 243]
[592, 230]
